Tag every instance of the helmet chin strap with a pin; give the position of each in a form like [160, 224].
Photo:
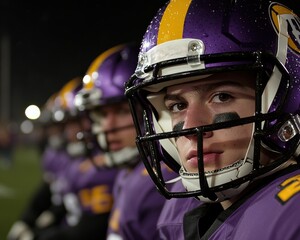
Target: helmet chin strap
[218, 177]
[123, 156]
[224, 175]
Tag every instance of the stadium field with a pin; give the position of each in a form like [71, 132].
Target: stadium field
[17, 183]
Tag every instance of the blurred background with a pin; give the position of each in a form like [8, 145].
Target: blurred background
[43, 45]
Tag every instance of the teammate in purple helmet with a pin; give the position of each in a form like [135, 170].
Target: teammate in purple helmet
[76, 198]
[137, 203]
[54, 159]
[218, 85]
[86, 191]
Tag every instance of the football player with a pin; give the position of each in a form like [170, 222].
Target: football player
[137, 203]
[218, 84]
[86, 191]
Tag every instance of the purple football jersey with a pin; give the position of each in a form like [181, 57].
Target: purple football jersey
[55, 164]
[270, 213]
[54, 161]
[92, 186]
[137, 206]
[170, 222]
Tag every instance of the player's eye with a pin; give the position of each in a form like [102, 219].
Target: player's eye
[221, 97]
[176, 107]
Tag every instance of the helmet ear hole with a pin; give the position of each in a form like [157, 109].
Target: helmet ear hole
[285, 134]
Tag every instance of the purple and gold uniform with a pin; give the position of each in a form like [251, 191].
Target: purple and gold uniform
[137, 206]
[248, 176]
[170, 222]
[264, 209]
[55, 164]
[93, 187]
[87, 197]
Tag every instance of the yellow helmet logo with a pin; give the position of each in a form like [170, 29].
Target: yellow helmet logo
[279, 13]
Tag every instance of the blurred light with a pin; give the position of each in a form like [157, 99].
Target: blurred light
[95, 76]
[59, 116]
[26, 127]
[86, 79]
[32, 112]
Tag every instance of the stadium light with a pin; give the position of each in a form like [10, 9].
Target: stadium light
[32, 112]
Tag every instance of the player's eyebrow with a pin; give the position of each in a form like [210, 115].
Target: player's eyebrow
[204, 88]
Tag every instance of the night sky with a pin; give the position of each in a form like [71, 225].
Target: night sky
[52, 42]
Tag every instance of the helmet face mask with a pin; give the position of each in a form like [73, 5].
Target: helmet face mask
[192, 57]
[76, 123]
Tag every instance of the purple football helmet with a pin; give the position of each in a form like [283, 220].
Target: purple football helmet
[52, 129]
[58, 110]
[104, 85]
[190, 40]
[105, 79]
[76, 122]
[65, 102]
[46, 117]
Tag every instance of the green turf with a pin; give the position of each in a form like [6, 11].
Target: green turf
[17, 183]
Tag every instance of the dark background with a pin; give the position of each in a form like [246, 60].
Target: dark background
[45, 44]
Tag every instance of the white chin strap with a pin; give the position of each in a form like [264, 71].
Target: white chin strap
[221, 176]
[117, 158]
[237, 170]
[121, 157]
